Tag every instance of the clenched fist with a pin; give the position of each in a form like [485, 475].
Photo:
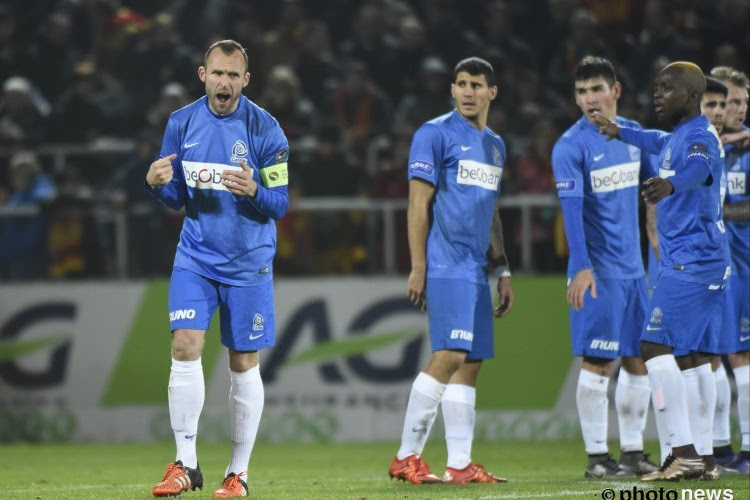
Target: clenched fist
[160, 172]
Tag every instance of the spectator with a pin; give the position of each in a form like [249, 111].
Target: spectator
[23, 253]
[23, 113]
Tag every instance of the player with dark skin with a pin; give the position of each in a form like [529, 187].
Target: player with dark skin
[677, 96]
[677, 99]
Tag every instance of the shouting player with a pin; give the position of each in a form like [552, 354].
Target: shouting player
[224, 159]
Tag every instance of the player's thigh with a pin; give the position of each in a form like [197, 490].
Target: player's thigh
[247, 316]
[595, 328]
[192, 300]
[684, 315]
[450, 312]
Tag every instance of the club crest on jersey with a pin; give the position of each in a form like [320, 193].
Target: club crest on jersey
[656, 316]
[497, 158]
[634, 152]
[239, 152]
[667, 158]
[258, 322]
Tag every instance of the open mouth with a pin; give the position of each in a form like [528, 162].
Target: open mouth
[592, 111]
[223, 97]
[658, 109]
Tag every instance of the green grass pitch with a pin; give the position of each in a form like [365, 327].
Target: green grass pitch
[323, 472]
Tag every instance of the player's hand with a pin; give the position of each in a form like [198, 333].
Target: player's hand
[240, 182]
[505, 297]
[606, 126]
[160, 172]
[655, 189]
[416, 288]
[583, 280]
[742, 138]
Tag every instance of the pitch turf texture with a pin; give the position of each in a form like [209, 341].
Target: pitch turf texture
[321, 472]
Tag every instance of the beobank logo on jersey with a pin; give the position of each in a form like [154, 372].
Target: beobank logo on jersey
[616, 177]
[205, 175]
[483, 175]
[737, 182]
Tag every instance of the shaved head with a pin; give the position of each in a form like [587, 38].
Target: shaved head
[677, 92]
[688, 74]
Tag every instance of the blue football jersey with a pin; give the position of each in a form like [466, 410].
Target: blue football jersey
[466, 167]
[226, 237]
[606, 174]
[738, 232]
[692, 238]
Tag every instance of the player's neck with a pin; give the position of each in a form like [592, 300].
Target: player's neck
[478, 121]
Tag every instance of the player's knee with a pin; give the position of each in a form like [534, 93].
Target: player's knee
[650, 350]
[186, 346]
[600, 366]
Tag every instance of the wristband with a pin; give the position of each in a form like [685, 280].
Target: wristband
[502, 272]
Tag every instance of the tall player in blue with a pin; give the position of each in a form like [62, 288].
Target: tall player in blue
[455, 169]
[597, 182]
[691, 287]
[737, 220]
[224, 160]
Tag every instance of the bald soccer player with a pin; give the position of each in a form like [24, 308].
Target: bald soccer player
[690, 290]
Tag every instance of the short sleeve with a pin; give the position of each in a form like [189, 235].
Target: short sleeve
[567, 163]
[425, 154]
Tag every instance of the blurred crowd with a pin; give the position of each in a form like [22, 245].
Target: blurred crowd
[349, 82]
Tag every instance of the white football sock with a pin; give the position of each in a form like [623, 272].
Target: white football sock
[669, 399]
[246, 399]
[742, 379]
[421, 410]
[593, 405]
[186, 394]
[722, 436]
[632, 396]
[459, 415]
[700, 388]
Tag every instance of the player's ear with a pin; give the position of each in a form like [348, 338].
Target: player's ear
[493, 92]
[246, 80]
[202, 74]
[617, 87]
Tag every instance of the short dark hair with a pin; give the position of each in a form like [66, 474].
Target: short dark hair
[593, 66]
[714, 86]
[476, 66]
[228, 47]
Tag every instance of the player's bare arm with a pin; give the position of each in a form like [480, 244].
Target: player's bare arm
[418, 220]
[160, 172]
[651, 232]
[738, 212]
[606, 126]
[656, 189]
[741, 138]
[498, 259]
[240, 182]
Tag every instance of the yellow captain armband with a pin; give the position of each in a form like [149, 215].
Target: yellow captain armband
[275, 175]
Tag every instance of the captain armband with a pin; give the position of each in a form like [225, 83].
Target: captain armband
[275, 175]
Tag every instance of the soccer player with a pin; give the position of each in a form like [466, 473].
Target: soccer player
[597, 182]
[737, 311]
[225, 160]
[713, 105]
[455, 168]
[691, 286]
